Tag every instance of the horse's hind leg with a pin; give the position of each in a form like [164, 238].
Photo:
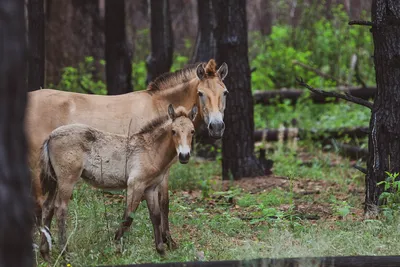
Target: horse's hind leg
[153, 206]
[61, 208]
[164, 208]
[47, 216]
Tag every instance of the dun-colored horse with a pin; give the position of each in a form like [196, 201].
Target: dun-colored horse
[112, 161]
[200, 84]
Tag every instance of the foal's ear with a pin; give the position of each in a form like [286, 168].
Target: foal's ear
[223, 71]
[200, 71]
[193, 113]
[171, 112]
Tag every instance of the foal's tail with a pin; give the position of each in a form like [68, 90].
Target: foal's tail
[48, 177]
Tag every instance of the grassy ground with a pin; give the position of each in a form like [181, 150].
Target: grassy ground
[312, 210]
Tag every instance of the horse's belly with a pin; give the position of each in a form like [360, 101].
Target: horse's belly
[104, 180]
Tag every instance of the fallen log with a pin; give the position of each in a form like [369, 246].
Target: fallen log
[317, 135]
[271, 96]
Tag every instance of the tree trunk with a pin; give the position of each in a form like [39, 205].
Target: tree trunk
[238, 157]
[36, 70]
[16, 205]
[160, 59]
[384, 141]
[118, 58]
[205, 42]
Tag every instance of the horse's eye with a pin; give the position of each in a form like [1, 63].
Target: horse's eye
[200, 93]
[173, 132]
[192, 131]
[226, 93]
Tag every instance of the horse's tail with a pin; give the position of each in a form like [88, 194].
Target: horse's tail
[48, 178]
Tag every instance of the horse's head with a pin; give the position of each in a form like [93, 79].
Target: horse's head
[182, 130]
[212, 95]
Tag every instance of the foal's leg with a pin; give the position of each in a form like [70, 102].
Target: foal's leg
[61, 207]
[164, 208]
[151, 196]
[47, 216]
[134, 197]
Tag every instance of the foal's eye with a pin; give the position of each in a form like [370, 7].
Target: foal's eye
[226, 93]
[192, 131]
[200, 93]
[173, 132]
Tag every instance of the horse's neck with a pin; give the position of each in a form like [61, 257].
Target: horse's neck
[160, 146]
[184, 94]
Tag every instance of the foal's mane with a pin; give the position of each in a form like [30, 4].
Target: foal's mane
[184, 75]
[157, 122]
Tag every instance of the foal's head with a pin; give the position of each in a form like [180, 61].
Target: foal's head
[212, 96]
[182, 131]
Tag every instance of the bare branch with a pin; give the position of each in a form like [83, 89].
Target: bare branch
[361, 23]
[361, 169]
[319, 73]
[345, 96]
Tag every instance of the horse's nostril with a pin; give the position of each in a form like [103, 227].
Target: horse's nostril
[210, 127]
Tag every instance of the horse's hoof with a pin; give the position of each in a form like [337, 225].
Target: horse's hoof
[160, 249]
[118, 235]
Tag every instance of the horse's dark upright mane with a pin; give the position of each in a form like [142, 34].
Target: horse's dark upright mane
[171, 79]
[153, 124]
[157, 122]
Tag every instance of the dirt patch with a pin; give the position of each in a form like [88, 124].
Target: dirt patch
[257, 184]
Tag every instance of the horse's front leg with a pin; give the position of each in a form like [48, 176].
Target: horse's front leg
[164, 208]
[153, 206]
[134, 196]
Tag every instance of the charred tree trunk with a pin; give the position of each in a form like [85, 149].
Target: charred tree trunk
[205, 42]
[384, 139]
[118, 57]
[16, 205]
[238, 157]
[160, 59]
[36, 63]
[205, 50]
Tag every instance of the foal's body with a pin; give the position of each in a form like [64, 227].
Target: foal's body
[111, 161]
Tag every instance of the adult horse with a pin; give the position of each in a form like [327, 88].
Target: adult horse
[200, 84]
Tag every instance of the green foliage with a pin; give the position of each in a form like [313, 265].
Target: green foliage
[390, 198]
[81, 80]
[326, 45]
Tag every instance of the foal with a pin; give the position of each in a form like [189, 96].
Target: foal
[111, 161]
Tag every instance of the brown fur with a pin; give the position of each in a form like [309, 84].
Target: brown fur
[111, 161]
[124, 114]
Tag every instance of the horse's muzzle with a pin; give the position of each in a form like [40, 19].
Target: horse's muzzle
[184, 158]
[216, 129]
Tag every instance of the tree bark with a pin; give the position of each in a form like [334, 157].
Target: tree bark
[36, 71]
[160, 59]
[384, 141]
[238, 157]
[205, 42]
[16, 205]
[118, 58]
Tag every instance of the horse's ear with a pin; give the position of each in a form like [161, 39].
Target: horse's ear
[193, 113]
[223, 71]
[171, 112]
[200, 71]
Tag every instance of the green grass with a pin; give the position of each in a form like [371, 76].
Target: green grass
[235, 224]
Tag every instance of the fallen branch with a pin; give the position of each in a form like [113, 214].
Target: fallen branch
[361, 169]
[361, 23]
[272, 134]
[272, 96]
[345, 96]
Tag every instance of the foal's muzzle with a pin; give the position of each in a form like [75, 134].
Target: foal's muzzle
[184, 157]
[216, 129]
